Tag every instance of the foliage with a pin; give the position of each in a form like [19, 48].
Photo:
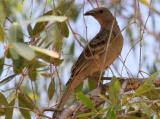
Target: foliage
[37, 48]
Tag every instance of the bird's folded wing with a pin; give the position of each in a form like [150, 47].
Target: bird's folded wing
[95, 48]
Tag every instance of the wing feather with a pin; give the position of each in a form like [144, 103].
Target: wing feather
[94, 48]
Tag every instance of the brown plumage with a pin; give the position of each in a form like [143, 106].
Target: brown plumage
[99, 53]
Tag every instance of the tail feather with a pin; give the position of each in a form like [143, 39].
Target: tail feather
[64, 98]
[71, 85]
[62, 102]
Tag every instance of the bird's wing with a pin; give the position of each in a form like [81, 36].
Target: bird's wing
[94, 48]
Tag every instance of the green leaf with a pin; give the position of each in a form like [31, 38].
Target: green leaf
[26, 101]
[3, 103]
[18, 64]
[64, 29]
[154, 75]
[114, 89]
[153, 94]
[8, 53]
[50, 18]
[45, 54]
[92, 84]
[3, 11]
[26, 105]
[67, 8]
[50, 12]
[73, 12]
[30, 30]
[9, 110]
[131, 37]
[85, 100]
[1, 65]
[24, 51]
[79, 88]
[1, 33]
[7, 79]
[51, 89]
[58, 38]
[15, 33]
[85, 115]
[111, 113]
[39, 27]
[145, 2]
[37, 64]
[12, 54]
[72, 48]
[32, 73]
[146, 87]
[26, 113]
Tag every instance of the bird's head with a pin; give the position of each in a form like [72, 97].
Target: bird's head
[102, 14]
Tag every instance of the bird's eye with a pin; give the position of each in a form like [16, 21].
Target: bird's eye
[100, 11]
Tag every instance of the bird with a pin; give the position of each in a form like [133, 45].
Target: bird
[98, 54]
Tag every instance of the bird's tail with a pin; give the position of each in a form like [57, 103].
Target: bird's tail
[64, 98]
[71, 85]
[62, 102]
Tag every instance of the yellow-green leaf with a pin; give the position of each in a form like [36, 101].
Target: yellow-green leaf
[9, 110]
[30, 30]
[24, 111]
[3, 103]
[39, 27]
[42, 21]
[114, 89]
[26, 105]
[145, 2]
[41, 52]
[111, 114]
[50, 18]
[24, 50]
[1, 33]
[15, 33]
[1, 65]
[85, 100]
[32, 73]
[26, 101]
[3, 11]
[51, 89]
[18, 64]
[64, 29]
[146, 87]
[72, 48]
[79, 88]
[12, 54]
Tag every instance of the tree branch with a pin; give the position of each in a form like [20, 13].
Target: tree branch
[127, 84]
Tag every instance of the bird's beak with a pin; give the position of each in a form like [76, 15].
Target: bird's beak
[89, 13]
